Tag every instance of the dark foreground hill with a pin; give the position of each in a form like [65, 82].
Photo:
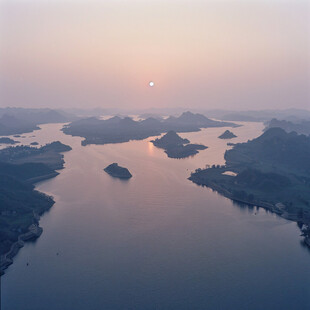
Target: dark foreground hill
[272, 171]
[20, 204]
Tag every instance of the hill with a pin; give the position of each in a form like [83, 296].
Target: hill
[227, 135]
[20, 204]
[271, 171]
[117, 171]
[274, 149]
[177, 147]
[300, 127]
[19, 120]
[170, 138]
[117, 129]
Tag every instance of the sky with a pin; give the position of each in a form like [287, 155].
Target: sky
[233, 54]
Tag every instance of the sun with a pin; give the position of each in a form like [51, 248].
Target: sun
[151, 83]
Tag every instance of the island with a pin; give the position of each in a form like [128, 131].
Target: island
[271, 171]
[118, 130]
[5, 140]
[20, 204]
[227, 135]
[177, 147]
[117, 171]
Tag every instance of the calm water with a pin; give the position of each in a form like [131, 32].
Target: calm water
[157, 241]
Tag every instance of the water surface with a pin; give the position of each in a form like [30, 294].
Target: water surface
[156, 241]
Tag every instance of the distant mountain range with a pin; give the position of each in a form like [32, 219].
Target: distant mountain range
[260, 115]
[301, 127]
[20, 120]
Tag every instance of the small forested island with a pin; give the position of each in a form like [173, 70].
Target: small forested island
[227, 135]
[5, 140]
[271, 171]
[170, 138]
[20, 204]
[117, 129]
[177, 147]
[117, 171]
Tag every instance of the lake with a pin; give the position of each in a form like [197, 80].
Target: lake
[156, 241]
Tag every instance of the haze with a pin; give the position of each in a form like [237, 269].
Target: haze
[200, 54]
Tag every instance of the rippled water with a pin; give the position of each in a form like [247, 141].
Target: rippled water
[157, 241]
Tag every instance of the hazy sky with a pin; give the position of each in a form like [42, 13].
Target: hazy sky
[233, 54]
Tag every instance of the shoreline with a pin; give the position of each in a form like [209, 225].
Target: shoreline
[276, 208]
[34, 232]
[43, 177]
[56, 162]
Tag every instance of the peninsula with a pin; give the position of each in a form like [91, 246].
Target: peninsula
[20, 204]
[49, 154]
[271, 171]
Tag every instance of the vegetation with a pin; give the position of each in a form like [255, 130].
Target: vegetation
[5, 140]
[227, 135]
[20, 204]
[271, 171]
[117, 171]
[48, 154]
[177, 147]
[170, 138]
[19, 120]
[299, 126]
[10, 125]
[117, 130]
